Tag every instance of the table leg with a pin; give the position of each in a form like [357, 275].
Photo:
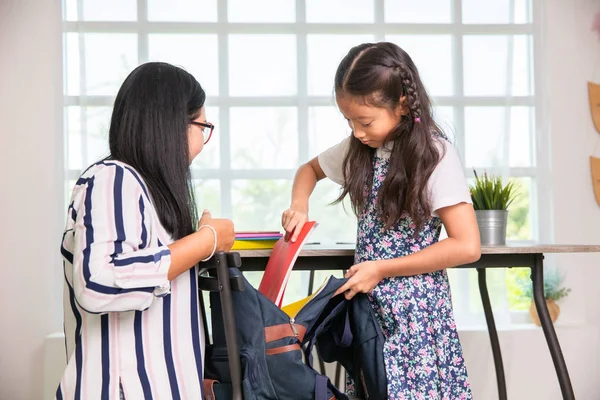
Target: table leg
[537, 276]
[489, 319]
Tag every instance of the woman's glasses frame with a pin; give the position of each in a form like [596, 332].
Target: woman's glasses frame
[205, 126]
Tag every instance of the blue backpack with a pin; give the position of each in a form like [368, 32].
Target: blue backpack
[274, 346]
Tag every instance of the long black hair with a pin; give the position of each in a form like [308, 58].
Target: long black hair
[148, 130]
[380, 74]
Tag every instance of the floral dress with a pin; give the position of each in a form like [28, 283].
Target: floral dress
[422, 351]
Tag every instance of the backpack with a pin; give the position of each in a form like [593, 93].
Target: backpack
[273, 343]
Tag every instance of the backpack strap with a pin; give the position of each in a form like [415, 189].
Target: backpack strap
[345, 340]
[322, 383]
[209, 390]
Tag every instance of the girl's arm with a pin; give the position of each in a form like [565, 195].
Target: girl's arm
[294, 218]
[461, 247]
[327, 164]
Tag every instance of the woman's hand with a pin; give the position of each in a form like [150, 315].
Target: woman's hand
[363, 278]
[292, 220]
[224, 229]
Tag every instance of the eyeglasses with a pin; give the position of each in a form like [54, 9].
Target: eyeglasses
[205, 126]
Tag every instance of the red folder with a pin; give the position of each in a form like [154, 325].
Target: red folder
[280, 264]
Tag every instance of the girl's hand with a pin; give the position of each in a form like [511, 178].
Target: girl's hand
[223, 227]
[363, 278]
[293, 220]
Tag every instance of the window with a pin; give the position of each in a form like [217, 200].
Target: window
[269, 81]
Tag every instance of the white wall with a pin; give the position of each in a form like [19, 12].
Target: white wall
[570, 51]
[31, 205]
[31, 190]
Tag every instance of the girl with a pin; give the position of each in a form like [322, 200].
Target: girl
[404, 181]
[131, 247]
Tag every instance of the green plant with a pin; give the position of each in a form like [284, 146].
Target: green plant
[488, 193]
[553, 289]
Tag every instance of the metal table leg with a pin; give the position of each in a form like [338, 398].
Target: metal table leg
[537, 276]
[489, 319]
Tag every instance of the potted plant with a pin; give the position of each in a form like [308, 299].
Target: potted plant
[553, 291]
[491, 200]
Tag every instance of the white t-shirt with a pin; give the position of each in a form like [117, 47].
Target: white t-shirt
[447, 185]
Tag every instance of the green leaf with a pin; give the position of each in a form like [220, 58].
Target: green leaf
[489, 193]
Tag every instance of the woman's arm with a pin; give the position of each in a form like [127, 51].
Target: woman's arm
[190, 250]
[115, 266]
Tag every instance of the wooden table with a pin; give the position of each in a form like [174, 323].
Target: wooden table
[314, 258]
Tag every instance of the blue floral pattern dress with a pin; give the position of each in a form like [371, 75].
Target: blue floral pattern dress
[423, 354]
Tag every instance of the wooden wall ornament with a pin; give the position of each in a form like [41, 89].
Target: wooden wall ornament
[594, 99]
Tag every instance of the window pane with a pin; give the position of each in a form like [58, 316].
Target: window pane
[422, 11]
[325, 52]
[264, 137]
[444, 116]
[350, 11]
[519, 214]
[97, 126]
[258, 204]
[337, 223]
[182, 10]
[496, 284]
[498, 136]
[499, 65]
[208, 196]
[93, 122]
[255, 11]
[102, 10]
[210, 155]
[496, 11]
[262, 65]
[69, 185]
[197, 54]
[72, 65]
[432, 54]
[74, 132]
[517, 279]
[109, 58]
[326, 127]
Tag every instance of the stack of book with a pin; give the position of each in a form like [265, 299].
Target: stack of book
[255, 240]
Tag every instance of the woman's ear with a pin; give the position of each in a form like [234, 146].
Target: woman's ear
[402, 108]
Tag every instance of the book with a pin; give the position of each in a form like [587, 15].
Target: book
[280, 264]
[258, 235]
[255, 240]
[260, 244]
[270, 237]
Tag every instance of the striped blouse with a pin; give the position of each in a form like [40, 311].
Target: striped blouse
[124, 321]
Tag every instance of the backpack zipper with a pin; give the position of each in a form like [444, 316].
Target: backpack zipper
[292, 324]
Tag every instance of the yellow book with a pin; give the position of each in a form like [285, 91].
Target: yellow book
[253, 244]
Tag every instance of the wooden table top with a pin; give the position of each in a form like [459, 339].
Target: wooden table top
[348, 250]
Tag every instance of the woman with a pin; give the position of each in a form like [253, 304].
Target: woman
[131, 247]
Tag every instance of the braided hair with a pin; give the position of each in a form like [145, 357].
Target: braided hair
[383, 75]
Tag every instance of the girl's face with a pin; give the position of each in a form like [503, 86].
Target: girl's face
[371, 125]
[196, 136]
